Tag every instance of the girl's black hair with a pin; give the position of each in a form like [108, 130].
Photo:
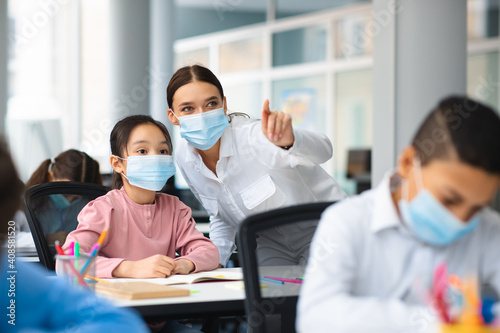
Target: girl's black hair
[121, 133]
[461, 127]
[190, 74]
[71, 164]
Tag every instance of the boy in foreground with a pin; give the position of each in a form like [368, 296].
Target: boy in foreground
[373, 256]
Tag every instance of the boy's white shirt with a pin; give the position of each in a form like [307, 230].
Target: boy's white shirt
[368, 273]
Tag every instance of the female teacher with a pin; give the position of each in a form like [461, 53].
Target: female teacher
[239, 167]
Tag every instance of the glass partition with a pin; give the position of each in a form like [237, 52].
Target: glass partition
[246, 98]
[353, 121]
[299, 46]
[287, 8]
[482, 78]
[304, 99]
[241, 55]
[191, 57]
[354, 36]
[482, 19]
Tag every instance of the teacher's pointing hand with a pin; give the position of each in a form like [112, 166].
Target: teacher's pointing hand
[277, 126]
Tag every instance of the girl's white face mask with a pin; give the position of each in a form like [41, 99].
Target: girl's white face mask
[149, 172]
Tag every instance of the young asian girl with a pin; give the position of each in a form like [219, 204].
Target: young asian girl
[145, 228]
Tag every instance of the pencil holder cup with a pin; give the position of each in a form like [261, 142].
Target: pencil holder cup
[445, 328]
[79, 271]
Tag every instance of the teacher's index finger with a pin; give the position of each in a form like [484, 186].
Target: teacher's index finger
[265, 116]
[265, 107]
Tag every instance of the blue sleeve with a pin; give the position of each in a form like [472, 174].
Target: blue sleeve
[44, 304]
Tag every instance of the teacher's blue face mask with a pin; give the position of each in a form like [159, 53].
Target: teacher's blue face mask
[428, 219]
[149, 172]
[203, 130]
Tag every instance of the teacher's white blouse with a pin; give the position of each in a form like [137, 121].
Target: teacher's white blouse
[254, 175]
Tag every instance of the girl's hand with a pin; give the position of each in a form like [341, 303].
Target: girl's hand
[157, 266]
[277, 126]
[183, 266]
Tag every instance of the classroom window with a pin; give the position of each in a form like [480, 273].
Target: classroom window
[96, 102]
[194, 18]
[304, 99]
[246, 98]
[191, 57]
[241, 55]
[41, 82]
[353, 122]
[299, 46]
[354, 36]
[482, 19]
[482, 78]
[285, 9]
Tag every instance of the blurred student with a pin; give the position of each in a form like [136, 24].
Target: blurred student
[145, 228]
[31, 302]
[373, 256]
[70, 165]
[57, 214]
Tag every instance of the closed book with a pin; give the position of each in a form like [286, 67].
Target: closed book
[139, 290]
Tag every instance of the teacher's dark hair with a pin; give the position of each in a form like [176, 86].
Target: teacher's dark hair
[460, 128]
[11, 188]
[190, 74]
[121, 133]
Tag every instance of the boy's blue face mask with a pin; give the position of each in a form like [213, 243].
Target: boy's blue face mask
[203, 130]
[429, 220]
[149, 172]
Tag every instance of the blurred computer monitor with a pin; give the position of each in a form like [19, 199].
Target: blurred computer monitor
[359, 161]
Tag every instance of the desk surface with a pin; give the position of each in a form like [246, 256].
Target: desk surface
[209, 298]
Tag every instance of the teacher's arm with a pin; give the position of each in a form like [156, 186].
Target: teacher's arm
[278, 145]
[223, 236]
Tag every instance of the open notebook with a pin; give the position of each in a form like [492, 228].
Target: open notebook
[212, 276]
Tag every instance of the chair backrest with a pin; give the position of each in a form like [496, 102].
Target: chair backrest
[276, 244]
[52, 209]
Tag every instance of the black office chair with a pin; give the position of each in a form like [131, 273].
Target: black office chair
[272, 308]
[52, 209]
